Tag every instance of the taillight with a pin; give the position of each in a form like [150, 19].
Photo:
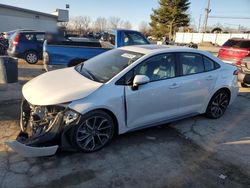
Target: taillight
[221, 52]
[16, 39]
[242, 53]
[238, 63]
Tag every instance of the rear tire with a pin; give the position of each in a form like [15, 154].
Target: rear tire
[217, 105]
[94, 131]
[31, 57]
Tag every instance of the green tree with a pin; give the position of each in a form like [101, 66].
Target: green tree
[170, 15]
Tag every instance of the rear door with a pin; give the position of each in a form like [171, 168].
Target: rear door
[27, 41]
[199, 75]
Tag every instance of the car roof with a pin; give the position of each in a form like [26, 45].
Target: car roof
[17, 30]
[31, 31]
[152, 48]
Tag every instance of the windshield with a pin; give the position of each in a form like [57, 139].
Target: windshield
[105, 66]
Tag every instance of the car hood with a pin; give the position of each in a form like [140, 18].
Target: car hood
[59, 86]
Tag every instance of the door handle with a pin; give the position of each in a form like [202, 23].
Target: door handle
[174, 86]
[210, 77]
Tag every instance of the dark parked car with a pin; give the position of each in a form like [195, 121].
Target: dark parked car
[244, 75]
[234, 50]
[8, 34]
[27, 45]
[3, 44]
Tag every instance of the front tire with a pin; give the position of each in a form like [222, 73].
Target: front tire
[218, 105]
[31, 57]
[94, 131]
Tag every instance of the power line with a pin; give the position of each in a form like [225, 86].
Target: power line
[230, 17]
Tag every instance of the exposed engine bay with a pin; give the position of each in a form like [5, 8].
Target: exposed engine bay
[43, 127]
[38, 120]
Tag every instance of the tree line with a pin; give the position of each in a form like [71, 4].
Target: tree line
[168, 18]
[165, 21]
[84, 24]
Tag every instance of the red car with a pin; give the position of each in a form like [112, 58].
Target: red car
[234, 50]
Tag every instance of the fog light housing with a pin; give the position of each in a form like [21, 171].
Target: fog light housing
[70, 116]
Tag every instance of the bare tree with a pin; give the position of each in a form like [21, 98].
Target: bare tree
[126, 25]
[63, 25]
[144, 28]
[100, 24]
[86, 22]
[81, 24]
[114, 22]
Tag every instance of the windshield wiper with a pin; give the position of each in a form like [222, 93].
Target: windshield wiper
[81, 69]
[81, 66]
[91, 75]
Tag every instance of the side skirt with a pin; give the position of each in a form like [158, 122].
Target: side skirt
[164, 122]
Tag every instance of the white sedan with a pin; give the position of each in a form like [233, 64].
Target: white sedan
[121, 90]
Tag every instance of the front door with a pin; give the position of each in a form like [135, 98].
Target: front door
[157, 100]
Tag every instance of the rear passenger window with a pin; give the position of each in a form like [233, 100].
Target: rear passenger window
[208, 64]
[191, 63]
[40, 37]
[29, 37]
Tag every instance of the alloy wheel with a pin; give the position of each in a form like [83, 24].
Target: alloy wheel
[219, 104]
[31, 58]
[94, 133]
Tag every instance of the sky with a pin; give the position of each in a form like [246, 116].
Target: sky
[136, 11]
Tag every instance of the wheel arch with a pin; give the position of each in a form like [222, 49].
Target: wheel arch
[30, 50]
[108, 111]
[208, 106]
[112, 115]
[227, 90]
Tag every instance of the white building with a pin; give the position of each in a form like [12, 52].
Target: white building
[12, 18]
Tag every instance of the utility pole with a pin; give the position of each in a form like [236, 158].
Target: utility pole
[199, 26]
[207, 11]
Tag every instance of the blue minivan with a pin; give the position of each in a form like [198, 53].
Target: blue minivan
[27, 45]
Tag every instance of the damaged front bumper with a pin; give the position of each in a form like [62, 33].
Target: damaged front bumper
[43, 130]
[29, 151]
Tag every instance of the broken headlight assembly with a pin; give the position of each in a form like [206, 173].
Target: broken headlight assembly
[39, 120]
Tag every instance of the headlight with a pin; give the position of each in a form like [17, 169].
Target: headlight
[70, 116]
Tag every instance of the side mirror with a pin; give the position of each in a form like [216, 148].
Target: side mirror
[140, 80]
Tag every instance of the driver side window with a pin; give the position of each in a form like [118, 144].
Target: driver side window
[158, 67]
